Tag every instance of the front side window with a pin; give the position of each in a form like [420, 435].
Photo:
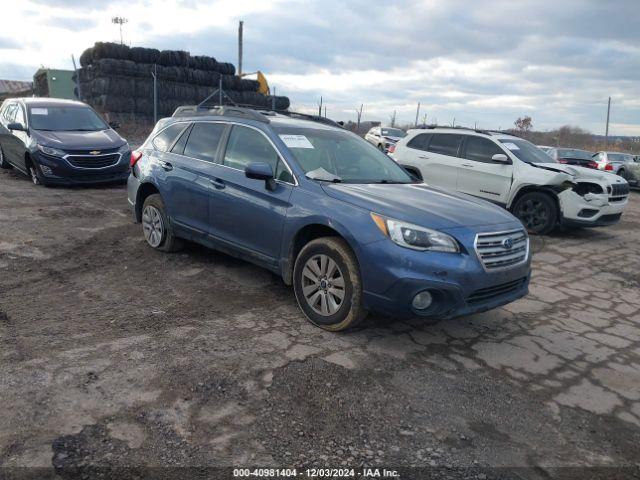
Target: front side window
[204, 140]
[166, 137]
[246, 146]
[339, 156]
[445, 144]
[420, 142]
[481, 149]
[65, 119]
[19, 118]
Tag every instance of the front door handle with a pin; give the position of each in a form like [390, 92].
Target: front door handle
[218, 183]
[166, 165]
[467, 165]
[424, 156]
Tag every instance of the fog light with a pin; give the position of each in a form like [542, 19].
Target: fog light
[422, 300]
[46, 170]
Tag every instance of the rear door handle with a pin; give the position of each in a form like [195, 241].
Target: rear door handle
[424, 156]
[467, 165]
[218, 183]
[166, 165]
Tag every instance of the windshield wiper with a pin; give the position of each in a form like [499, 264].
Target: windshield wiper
[324, 176]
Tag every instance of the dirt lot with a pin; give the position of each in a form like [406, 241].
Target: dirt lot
[112, 355]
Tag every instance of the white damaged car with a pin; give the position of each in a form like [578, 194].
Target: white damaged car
[515, 174]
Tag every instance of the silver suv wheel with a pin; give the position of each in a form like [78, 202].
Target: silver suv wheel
[323, 285]
[152, 226]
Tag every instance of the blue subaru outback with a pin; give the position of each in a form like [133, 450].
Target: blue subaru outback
[328, 212]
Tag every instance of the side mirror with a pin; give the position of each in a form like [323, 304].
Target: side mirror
[500, 158]
[17, 126]
[114, 125]
[261, 171]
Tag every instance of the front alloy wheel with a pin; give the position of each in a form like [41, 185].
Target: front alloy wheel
[326, 280]
[537, 212]
[33, 173]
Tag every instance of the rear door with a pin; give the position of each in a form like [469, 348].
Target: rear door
[442, 161]
[479, 175]
[10, 141]
[188, 168]
[243, 212]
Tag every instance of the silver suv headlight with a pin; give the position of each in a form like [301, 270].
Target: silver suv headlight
[415, 237]
[53, 152]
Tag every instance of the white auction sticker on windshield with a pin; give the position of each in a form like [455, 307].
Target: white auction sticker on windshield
[39, 111]
[511, 146]
[296, 141]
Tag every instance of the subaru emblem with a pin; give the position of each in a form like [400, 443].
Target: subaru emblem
[507, 243]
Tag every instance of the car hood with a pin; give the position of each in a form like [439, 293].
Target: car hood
[581, 173]
[101, 139]
[421, 204]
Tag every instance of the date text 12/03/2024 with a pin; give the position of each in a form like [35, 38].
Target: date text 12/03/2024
[363, 472]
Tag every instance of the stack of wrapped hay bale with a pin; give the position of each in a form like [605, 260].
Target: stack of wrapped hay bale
[117, 80]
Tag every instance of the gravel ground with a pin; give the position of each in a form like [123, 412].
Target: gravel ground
[113, 355]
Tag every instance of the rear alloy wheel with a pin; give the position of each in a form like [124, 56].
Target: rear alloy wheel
[537, 212]
[326, 280]
[156, 226]
[3, 163]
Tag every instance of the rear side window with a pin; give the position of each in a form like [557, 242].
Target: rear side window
[420, 142]
[481, 149]
[165, 139]
[246, 146]
[445, 144]
[204, 140]
[178, 148]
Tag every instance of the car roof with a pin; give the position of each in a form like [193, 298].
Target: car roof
[275, 120]
[465, 131]
[51, 102]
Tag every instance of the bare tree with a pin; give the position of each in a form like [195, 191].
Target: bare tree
[524, 124]
[359, 114]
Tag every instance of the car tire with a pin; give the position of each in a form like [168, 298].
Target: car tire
[622, 173]
[323, 294]
[156, 226]
[35, 175]
[3, 162]
[381, 147]
[537, 211]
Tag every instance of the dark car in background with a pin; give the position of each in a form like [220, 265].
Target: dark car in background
[60, 142]
[573, 156]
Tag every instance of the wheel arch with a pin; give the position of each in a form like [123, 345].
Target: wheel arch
[547, 190]
[144, 190]
[306, 234]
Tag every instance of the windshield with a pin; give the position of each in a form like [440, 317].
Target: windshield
[336, 156]
[526, 151]
[574, 153]
[393, 132]
[65, 119]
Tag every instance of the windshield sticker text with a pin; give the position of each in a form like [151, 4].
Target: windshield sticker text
[296, 141]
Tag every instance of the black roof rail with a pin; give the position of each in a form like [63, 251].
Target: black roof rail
[431, 127]
[224, 110]
[313, 118]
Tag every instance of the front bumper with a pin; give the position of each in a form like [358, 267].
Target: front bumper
[597, 211]
[58, 171]
[458, 282]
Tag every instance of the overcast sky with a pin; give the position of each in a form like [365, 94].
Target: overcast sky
[488, 61]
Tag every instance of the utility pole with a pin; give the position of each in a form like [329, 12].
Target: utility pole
[424, 120]
[417, 113]
[119, 21]
[154, 74]
[359, 115]
[77, 77]
[393, 119]
[240, 48]
[320, 107]
[273, 100]
[325, 111]
[606, 134]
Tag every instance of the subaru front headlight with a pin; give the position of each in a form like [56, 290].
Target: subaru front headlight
[415, 237]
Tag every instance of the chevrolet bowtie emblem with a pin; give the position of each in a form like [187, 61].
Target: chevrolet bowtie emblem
[94, 152]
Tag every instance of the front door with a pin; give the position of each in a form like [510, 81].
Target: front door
[243, 211]
[479, 175]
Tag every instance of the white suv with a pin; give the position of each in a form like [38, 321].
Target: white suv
[515, 174]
